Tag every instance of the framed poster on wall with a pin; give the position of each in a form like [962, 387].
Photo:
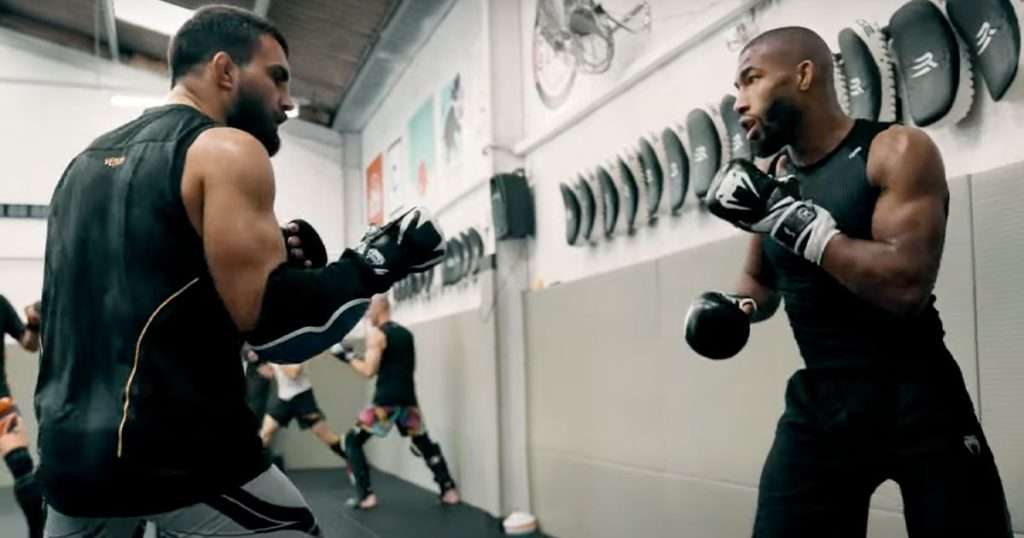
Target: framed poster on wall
[452, 108]
[375, 191]
[422, 149]
[394, 200]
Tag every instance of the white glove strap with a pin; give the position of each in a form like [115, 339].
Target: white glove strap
[806, 229]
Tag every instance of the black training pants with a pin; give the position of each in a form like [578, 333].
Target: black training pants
[843, 433]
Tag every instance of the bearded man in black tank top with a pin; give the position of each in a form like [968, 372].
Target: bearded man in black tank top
[850, 233]
[163, 256]
[391, 357]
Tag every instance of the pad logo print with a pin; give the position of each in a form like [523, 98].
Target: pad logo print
[737, 142]
[857, 87]
[923, 65]
[701, 154]
[984, 37]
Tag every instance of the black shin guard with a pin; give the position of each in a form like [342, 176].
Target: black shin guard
[431, 453]
[358, 468]
[26, 490]
[337, 449]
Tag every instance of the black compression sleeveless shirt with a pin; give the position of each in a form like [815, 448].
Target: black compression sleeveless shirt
[833, 327]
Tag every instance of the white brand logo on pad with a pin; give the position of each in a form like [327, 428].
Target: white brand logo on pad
[737, 142]
[857, 87]
[923, 65]
[984, 37]
[701, 154]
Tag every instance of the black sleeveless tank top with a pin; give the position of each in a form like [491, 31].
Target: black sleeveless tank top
[833, 327]
[141, 396]
[395, 383]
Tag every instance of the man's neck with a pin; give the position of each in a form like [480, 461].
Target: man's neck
[181, 94]
[821, 133]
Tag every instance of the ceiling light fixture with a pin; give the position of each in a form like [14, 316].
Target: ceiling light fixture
[156, 15]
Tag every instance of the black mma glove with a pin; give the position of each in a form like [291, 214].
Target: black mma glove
[411, 243]
[756, 202]
[716, 325]
[304, 247]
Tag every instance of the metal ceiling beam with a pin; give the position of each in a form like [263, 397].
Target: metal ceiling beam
[261, 7]
[110, 21]
[408, 28]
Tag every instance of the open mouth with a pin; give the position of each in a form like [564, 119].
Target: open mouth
[752, 128]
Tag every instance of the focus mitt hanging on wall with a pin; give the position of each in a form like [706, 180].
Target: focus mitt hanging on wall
[992, 31]
[869, 72]
[933, 65]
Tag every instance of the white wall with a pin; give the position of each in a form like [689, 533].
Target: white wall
[60, 101]
[988, 138]
[457, 194]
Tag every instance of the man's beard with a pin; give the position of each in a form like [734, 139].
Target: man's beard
[250, 116]
[778, 129]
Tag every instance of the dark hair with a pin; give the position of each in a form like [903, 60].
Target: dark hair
[218, 28]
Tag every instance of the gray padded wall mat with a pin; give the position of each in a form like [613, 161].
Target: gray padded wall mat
[954, 291]
[457, 385]
[724, 411]
[631, 431]
[999, 254]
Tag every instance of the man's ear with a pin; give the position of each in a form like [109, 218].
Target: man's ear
[225, 71]
[805, 75]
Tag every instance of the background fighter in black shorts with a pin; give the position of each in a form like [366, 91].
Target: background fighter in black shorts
[294, 399]
[850, 234]
[163, 255]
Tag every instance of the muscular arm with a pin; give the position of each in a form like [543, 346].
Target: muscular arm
[376, 342]
[758, 282]
[288, 314]
[228, 175]
[897, 269]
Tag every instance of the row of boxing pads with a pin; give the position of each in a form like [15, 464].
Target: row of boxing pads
[919, 67]
[464, 257]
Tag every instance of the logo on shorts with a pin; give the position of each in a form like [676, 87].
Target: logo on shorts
[973, 444]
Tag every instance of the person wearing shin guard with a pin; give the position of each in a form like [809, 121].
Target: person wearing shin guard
[391, 356]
